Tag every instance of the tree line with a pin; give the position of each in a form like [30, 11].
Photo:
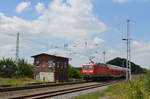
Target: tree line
[10, 68]
[122, 63]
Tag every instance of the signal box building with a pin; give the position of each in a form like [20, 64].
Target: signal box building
[50, 68]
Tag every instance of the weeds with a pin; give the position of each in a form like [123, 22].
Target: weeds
[135, 89]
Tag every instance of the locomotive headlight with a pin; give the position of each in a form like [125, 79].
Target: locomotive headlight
[91, 71]
[88, 71]
[85, 71]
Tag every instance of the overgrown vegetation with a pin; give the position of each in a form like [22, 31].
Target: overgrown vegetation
[10, 68]
[24, 69]
[74, 74]
[136, 89]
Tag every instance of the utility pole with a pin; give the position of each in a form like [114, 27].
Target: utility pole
[128, 60]
[17, 47]
[129, 48]
[104, 53]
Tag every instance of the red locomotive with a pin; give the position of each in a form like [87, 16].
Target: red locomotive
[99, 71]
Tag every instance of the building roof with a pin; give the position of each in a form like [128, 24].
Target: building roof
[49, 55]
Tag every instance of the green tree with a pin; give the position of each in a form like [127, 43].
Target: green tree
[74, 73]
[7, 68]
[122, 63]
[24, 69]
[10, 68]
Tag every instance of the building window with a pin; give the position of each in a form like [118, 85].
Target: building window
[65, 65]
[51, 64]
[54, 64]
[62, 65]
[37, 63]
[57, 64]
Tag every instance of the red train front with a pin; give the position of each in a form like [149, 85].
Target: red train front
[100, 71]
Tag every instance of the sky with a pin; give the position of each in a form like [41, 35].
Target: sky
[78, 29]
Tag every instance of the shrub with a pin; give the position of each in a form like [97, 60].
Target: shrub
[136, 90]
[24, 69]
[146, 81]
[10, 68]
[7, 67]
[74, 73]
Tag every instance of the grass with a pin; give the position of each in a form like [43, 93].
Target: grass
[136, 89]
[16, 81]
[96, 95]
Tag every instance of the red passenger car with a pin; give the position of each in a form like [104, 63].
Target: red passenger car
[99, 71]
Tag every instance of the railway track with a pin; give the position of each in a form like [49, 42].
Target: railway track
[63, 91]
[8, 89]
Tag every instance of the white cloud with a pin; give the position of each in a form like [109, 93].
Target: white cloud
[78, 46]
[80, 51]
[140, 53]
[22, 6]
[97, 41]
[7, 50]
[11, 25]
[57, 52]
[40, 8]
[141, 46]
[70, 20]
[84, 46]
[120, 1]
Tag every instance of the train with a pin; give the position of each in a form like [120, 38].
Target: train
[98, 71]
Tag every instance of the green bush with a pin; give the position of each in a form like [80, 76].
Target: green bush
[74, 73]
[10, 68]
[136, 90]
[24, 69]
[140, 89]
[7, 68]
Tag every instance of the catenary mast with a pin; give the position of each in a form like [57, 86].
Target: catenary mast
[128, 60]
[17, 47]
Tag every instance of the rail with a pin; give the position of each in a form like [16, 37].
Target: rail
[64, 91]
[7, 89]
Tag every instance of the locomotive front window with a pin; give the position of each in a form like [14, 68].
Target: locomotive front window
[88, 67]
